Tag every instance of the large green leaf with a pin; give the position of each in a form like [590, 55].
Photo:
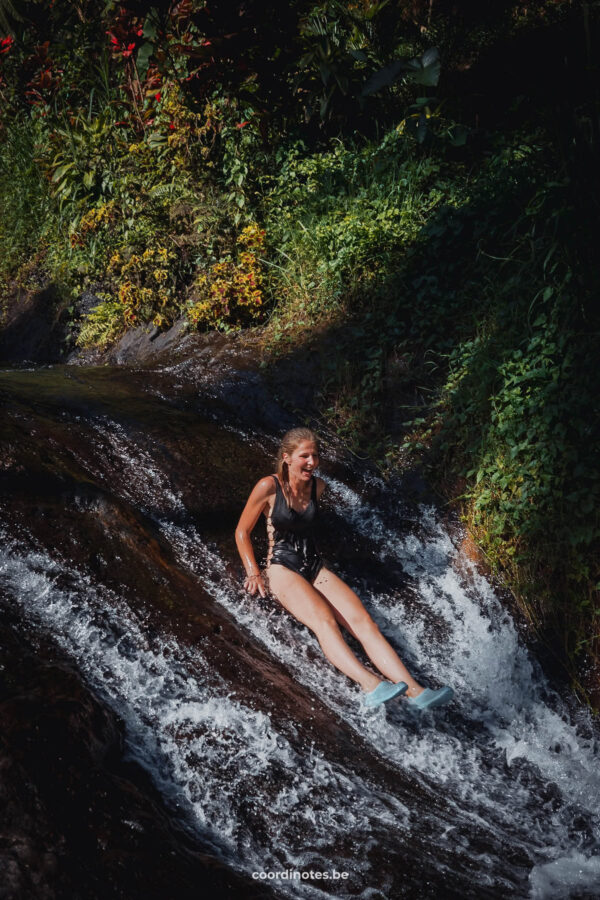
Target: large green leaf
[60, 171]
[155, 139]
[143, 58]
[421, 70]
[425, 70]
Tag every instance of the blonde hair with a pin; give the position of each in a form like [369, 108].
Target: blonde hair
[289, 442]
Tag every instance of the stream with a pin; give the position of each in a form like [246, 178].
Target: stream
[120, 491]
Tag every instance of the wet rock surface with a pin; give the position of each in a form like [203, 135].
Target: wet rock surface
[94, 461]
[76, 818]
[263, 392]
[260, 388]
[120, 488]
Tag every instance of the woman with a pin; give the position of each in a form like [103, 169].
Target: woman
[312, 593]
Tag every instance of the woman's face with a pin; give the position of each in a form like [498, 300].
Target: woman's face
[303, 460]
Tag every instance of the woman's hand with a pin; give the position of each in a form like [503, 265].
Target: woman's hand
[254, 583]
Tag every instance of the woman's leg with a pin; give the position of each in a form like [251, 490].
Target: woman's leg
[352, 615]
[310, 608]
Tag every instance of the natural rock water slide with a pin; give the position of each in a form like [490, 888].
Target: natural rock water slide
[164, 734]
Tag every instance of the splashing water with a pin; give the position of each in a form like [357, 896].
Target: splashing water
[207, 752]
[500, 690]
[518, 779]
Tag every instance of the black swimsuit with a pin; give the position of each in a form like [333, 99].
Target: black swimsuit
[291, 543]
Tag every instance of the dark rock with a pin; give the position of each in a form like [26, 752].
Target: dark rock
[35, 327]
[141, 345]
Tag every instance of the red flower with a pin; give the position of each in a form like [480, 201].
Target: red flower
[129, 50]
[172, 126]
[157, 96]
[6, 43]
[242, 124]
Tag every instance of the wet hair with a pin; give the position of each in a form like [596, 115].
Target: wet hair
[289, 442]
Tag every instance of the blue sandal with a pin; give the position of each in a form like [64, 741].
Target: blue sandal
[428, 699]
[384, 691]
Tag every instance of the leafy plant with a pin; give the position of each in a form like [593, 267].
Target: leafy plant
[146, 285]
[103, 324]
[230, 293]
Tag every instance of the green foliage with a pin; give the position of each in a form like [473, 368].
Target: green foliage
[103, 324]
[9, 14]
[85, 160]
[351, 212]
[81, 183]
[468, 276]
[513, 408]
[26, 204]
[230, 294]
[518, 415]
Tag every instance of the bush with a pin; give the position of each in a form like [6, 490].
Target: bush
[231, 291]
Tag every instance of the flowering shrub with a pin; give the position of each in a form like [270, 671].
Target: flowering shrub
[92, 221]
[231, 292]
[146, 285]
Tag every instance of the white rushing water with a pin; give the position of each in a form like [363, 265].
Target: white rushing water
[514, 769]
[499, 689]
[238, 780]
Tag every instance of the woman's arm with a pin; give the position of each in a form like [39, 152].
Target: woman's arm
[260, 495]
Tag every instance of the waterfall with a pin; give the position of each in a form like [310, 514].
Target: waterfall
[495, 795]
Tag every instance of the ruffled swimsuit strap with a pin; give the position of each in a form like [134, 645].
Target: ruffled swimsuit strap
[270, 526]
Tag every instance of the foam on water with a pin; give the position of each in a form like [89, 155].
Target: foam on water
[500, 690]
[509, 759]
[481, 655]
[259, 802]
[566, 876]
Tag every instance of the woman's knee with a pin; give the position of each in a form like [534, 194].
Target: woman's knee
[362, 625]
[323, 621]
